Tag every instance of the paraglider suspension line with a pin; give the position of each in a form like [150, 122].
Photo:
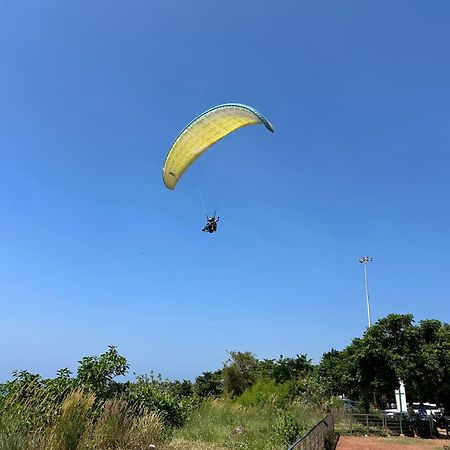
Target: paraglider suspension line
[201, 199]
[227, 186]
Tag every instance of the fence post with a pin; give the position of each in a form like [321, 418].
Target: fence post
[367, 424]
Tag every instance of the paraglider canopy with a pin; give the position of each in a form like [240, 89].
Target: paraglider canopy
[203, 132]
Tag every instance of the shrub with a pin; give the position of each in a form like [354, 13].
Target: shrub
[288, 428]
[264, 391]
[171, 410]
[209, 384]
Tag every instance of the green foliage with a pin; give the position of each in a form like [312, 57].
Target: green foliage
[332, 373]
[288, 428]
[156, 396]
[57, 389]
[247, 404]
[75, 427]
[31, 400]
[239, 372]
[181, 389]
[15, 433]
[310, 391]
[431, 379]
[225, 424]
[97, 373]
[392, 349]
[285, 369]
[209, 384]
[265, 391]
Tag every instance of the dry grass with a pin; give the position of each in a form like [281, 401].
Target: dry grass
[123, 427]
[73, 421]
[31, 424]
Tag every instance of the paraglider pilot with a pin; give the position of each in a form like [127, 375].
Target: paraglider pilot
[211, 224]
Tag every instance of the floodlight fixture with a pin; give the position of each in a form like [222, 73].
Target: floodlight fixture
[364, 260]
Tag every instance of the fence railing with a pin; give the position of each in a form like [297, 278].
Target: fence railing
[321, 437]
[382, 424]
[370, 424]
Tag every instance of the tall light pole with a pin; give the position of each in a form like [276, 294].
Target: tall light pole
[364, 260]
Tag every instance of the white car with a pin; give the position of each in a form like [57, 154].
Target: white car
[430, 408]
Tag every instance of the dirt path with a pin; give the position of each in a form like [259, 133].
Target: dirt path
[393, 443]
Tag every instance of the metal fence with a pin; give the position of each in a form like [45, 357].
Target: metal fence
[382, 424]
[321, 437]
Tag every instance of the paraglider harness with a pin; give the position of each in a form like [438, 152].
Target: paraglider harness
[211, 224]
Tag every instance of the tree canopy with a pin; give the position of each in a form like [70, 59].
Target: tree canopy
[393, 349]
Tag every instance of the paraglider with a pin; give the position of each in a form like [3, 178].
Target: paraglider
[203, 132]
[211, 224]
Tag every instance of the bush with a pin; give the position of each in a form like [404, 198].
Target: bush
[149, 395]
[209, 384]
[265, 391]
[288, 428]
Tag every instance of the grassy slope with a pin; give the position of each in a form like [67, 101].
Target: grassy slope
[221, 424]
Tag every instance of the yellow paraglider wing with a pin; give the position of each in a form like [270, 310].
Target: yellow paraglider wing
[203, 132]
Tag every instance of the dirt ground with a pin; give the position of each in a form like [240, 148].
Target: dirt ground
[394, 443]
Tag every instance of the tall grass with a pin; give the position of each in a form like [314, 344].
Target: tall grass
[264, 417]
[226, 424]
[76, 425]
[14, 434]
[146, 430]
[111, 429]
[24, 418]
[123, 427]
[73, 421]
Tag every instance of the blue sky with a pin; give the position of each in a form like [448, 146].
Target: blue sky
[94, 250]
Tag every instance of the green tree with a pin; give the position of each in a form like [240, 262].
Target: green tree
[332, 373]
[239, 372]
[286, 369]
[97, 373]
[209, 384]
[377, 361]
[393, 349]
[430, 379]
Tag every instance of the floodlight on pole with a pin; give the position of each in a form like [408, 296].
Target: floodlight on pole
[364, 260]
